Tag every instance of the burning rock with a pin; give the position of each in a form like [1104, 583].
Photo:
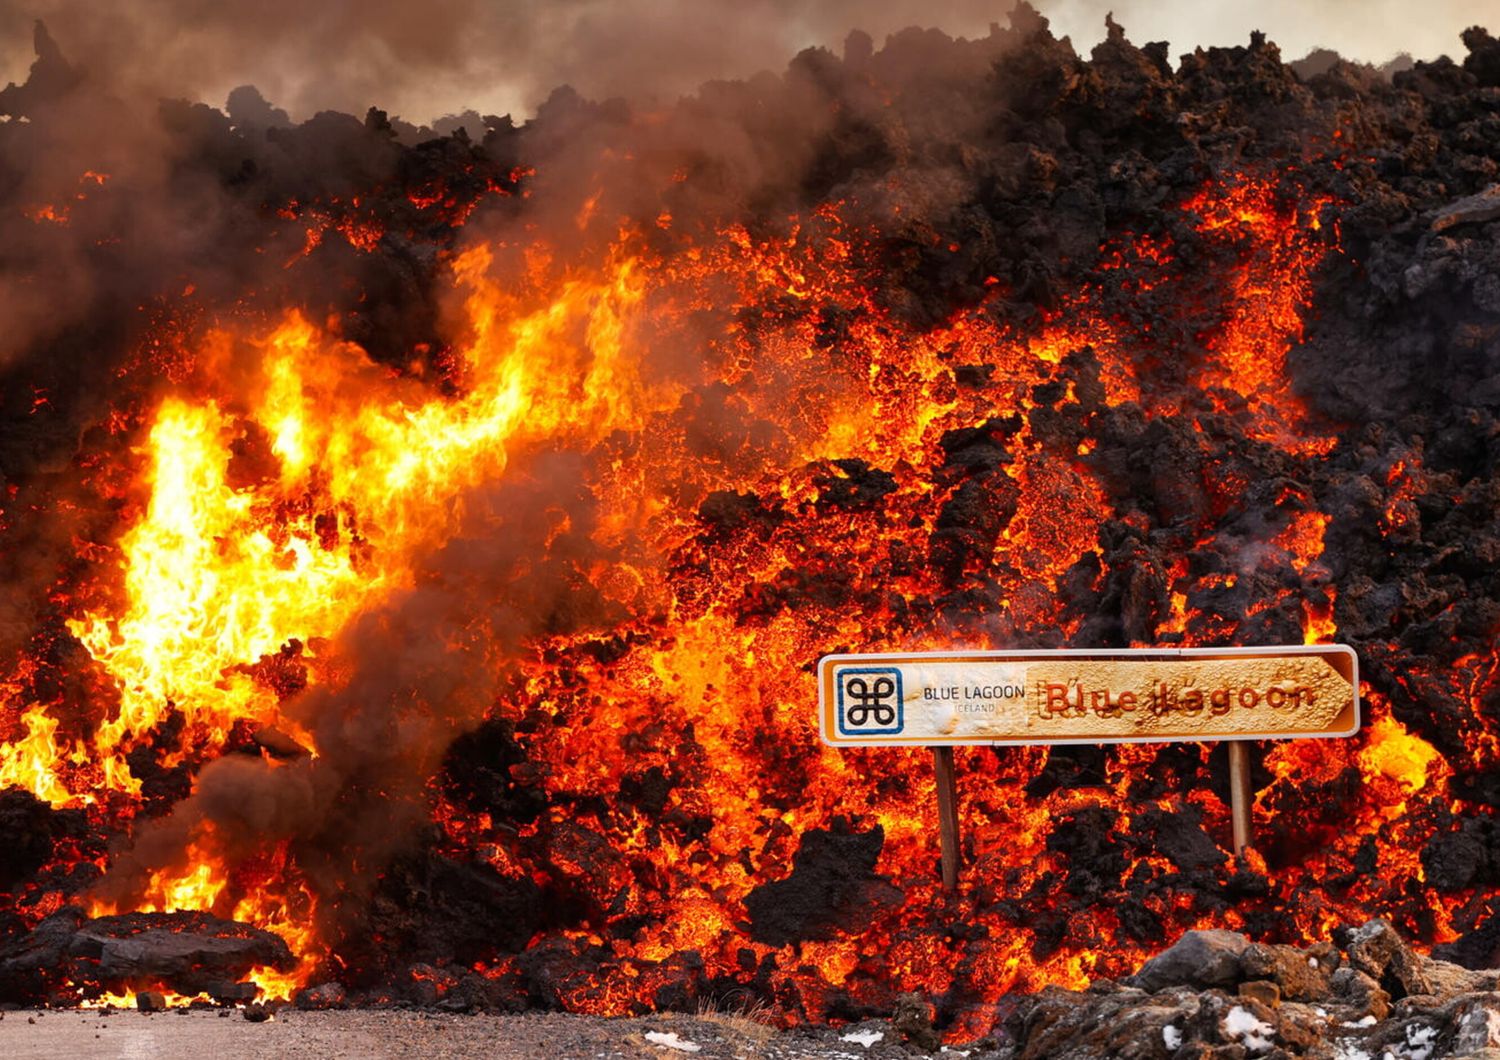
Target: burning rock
[68, 956]
[832, 887]
[322, 996]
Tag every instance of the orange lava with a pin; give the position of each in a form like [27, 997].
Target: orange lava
[285, 486]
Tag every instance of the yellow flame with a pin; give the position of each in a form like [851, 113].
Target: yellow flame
[31, 762]
[1397, 756]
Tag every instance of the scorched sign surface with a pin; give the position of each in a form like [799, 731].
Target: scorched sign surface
[1115, 696]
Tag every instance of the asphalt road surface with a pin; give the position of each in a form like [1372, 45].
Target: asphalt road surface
[208, 1035]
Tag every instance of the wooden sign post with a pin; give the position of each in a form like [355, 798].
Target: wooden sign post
[1240, 796]
[947, 798]
[1140, 695]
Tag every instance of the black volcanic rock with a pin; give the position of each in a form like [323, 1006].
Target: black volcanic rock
[29, 830]
[33, 962]
[182, 949]
[832, 872]
[481, 773]
[437, 910]
[1179, 836]
[857, 485]
[322, 996]
[185, 952]
[51, 76]
[1199, 959]
[1455, 860]
[1476, 949]
[1483, 60]
[971, 521]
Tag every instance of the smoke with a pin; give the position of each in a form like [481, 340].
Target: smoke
[426, 665]
[1372, 32]
[451, 56]
[421, 670]
[422, 61]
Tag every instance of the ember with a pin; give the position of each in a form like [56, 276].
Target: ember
[418, 548]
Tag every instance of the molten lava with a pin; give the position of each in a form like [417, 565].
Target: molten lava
[540, 601]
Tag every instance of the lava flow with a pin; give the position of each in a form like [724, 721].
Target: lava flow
[416, 575]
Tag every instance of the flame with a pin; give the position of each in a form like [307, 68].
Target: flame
[1318, 623]
[127, 999]
[1394, 756]
[49, 213]
[206, 587]
[219, 575]
[32, 761]
[279, 986]
[288, 911]
[195, 886]
[285, 485]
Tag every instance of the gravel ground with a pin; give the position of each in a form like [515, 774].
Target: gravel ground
[208, 1035]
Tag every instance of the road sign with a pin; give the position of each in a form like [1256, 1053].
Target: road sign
[1137, 695]
[932, 699]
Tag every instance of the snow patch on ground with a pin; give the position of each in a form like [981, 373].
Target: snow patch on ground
[1171, 1037]
[1252, 1033]
[668, 1040]
[865, 1038]
[1420, 1041]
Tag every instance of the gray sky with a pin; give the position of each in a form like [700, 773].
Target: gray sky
[423, 60]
